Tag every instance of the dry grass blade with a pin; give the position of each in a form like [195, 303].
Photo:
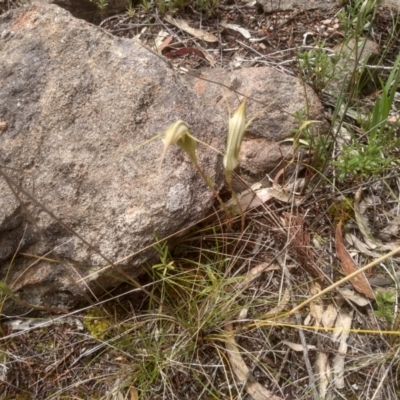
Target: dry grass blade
[359, 282]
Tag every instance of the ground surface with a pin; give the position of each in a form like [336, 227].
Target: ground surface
[221, 280]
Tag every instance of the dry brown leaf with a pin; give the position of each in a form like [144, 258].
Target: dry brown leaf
[164, 44]
[243, 314]
[362, 223]
[360, 246]
[307, 320]
[316, 308]
[198, 33]
[257, 195]
[254, 197]
[354, 297]
[251, 198]
[324, 373]
[283, 301]
[391, 229]
[255, 272]
[281, 194]
[162, 40]
[242, 372]
[183, 51]
[237, 28]
[359, 282]
[341, 334]
[329, 316]
[187, 50]
[300, 244]
[134, 394]
[209, 58]
[298, 346]
[394, 119]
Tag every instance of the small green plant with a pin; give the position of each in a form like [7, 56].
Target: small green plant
[356, 17]
[385, 306]
[210, 6]
[171, 6]
[163, 7]
[318, 66]
[362, 159]
[377, 123]
[130, 11]
[98, 322]
[146, 5]
[372, 156]
[101, 5]
[165, 258]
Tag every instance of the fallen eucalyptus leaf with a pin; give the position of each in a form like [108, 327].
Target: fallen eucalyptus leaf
[162, 40]
[354, 297]
[360, 246]
[298, 347]
[237, 28]
[341, 334]
[359, 282]
[329, 316]
[241, 370]
[198, 33]
[324, 373]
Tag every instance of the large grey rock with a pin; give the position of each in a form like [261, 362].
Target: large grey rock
[77, 103]
[290, 5]
[85, 9]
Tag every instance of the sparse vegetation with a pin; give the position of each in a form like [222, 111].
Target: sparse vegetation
[102, 6]
[250, 305]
